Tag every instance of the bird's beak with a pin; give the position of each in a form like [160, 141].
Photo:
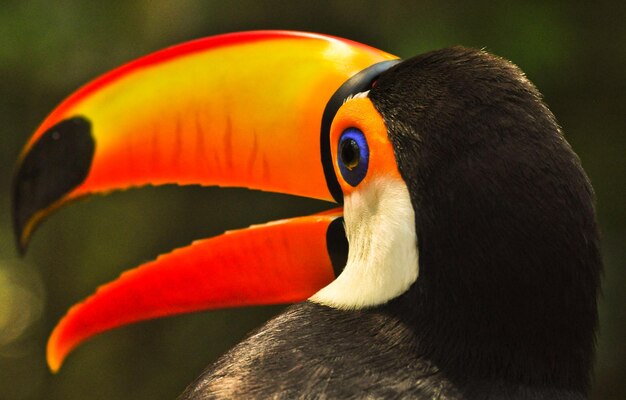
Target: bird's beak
[244, 110]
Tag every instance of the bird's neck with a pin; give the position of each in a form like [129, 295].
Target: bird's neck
[505, 340]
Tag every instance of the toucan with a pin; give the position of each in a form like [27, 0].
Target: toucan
[460, 260]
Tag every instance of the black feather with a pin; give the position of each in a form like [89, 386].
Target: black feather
[508, 243]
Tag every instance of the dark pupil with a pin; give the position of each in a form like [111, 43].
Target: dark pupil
[350, 153]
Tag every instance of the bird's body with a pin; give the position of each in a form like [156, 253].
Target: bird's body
[312, 351]
[317, 351]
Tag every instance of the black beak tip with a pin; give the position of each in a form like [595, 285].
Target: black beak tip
[21, 242]
[57, 163]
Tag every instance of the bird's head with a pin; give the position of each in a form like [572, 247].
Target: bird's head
[466, 213]
[509, 258]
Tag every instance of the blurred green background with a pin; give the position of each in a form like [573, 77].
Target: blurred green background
[575, 52]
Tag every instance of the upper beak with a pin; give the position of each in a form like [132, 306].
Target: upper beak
[247, 110]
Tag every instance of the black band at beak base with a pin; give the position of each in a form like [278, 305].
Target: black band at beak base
[360, 82]
[337, 245]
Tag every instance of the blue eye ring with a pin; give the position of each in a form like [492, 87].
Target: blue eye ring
[353, 155]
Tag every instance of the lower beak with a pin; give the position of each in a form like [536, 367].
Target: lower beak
[243, 110]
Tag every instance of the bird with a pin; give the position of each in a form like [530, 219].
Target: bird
[461, 260]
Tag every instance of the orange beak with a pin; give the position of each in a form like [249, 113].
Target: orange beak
[247, 110]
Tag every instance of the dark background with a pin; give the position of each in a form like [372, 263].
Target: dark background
[575, 52]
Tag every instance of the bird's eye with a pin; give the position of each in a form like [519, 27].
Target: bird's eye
[353, 156]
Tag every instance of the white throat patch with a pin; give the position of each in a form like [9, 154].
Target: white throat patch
[382, 258]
